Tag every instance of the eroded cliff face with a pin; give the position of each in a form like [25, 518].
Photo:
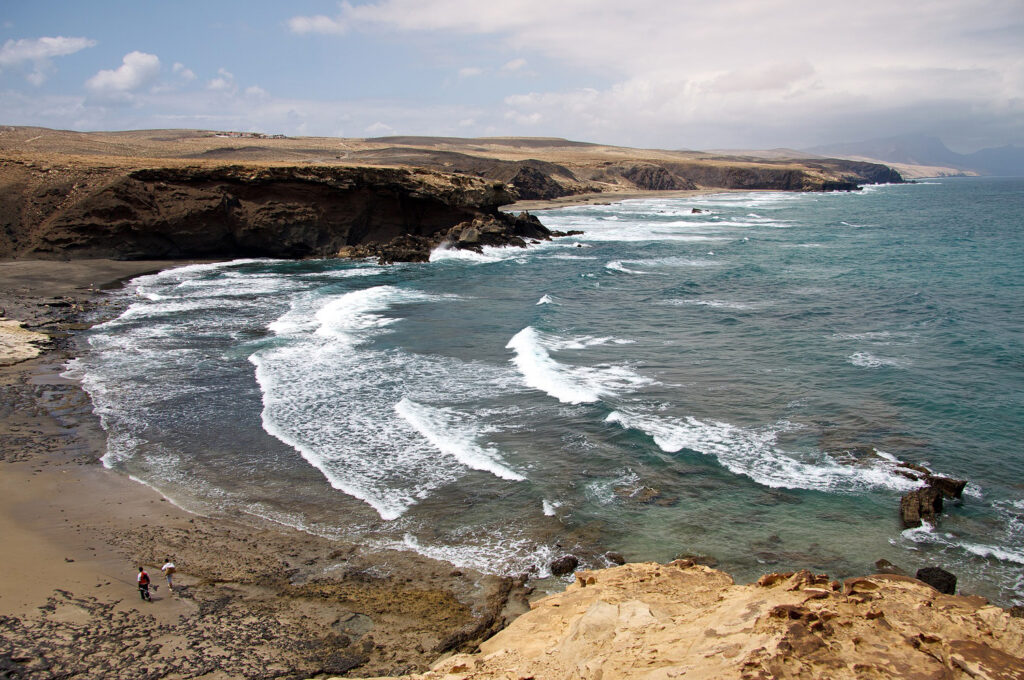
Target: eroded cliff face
[231, 211]
[647, 621]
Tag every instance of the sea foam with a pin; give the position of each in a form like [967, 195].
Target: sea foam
[357, 413]
[568, 384]
[449, 432]
[752, 452]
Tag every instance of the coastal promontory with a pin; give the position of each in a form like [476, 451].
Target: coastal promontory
[683, 620]
[177, 194]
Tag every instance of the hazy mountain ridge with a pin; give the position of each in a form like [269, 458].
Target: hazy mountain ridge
[931, 151]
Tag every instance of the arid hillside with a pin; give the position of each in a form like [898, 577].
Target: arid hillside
[194, 193]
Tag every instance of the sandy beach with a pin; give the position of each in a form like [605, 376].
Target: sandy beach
[249, 601]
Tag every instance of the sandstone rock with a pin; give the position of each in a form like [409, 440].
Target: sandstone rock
[651, 621]
[564, 565]
[705, 560]
[938, 578]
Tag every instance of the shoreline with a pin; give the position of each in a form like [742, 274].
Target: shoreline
[253, 598]
[73, 557]
[607, 198]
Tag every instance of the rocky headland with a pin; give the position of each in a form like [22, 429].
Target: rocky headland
[175, 194]
[684, 620]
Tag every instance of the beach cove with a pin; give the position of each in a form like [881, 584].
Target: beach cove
[235, 543]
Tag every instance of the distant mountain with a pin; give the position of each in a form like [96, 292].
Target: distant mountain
[925, 150]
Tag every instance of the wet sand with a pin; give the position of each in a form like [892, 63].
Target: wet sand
[251, 599]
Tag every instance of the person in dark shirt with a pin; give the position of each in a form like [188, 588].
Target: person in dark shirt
[143, 580]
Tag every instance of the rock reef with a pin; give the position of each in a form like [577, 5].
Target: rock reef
[686, 620]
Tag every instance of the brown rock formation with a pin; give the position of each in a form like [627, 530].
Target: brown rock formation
[169, 194]
[920, 506]
[228, 211]
[685, 620]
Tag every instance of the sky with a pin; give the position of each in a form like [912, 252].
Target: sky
[713, 74]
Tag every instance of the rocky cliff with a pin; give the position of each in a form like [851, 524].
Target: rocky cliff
[66, 210]
[683, 620]
[173, 194]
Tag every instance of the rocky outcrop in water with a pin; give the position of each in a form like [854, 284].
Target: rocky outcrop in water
[920, 506]
[501, 230]
[684, 620]
[924, 504]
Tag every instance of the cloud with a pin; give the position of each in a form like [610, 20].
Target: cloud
[379, 128]
[224, 82]
[39, 52]
[740, 71]
[182, 72]
[17, 51]
[317, 24]
[137, 70]
[470, 71]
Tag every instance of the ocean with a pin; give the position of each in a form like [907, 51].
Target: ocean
[733, 375]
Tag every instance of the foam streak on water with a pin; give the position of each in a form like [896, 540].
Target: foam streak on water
[754, 454]
[568, 384]
[449, 433]
[346, 409]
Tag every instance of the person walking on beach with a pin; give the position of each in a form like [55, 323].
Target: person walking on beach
[169, 570]
[143, 579]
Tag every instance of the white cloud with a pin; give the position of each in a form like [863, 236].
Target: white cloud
[17, 51]
[137, 70]
[800, 70]
[182, 72]
[39, 52]
[317, 24]
[224, 82]
[380, 129]
[470, 71]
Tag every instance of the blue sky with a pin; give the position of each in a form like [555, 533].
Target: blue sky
[728, 74]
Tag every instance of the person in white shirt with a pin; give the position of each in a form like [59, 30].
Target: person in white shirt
[169, 570]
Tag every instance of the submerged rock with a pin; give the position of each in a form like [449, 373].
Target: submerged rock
[887, 567]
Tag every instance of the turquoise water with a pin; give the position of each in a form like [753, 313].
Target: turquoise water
[737, 382]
